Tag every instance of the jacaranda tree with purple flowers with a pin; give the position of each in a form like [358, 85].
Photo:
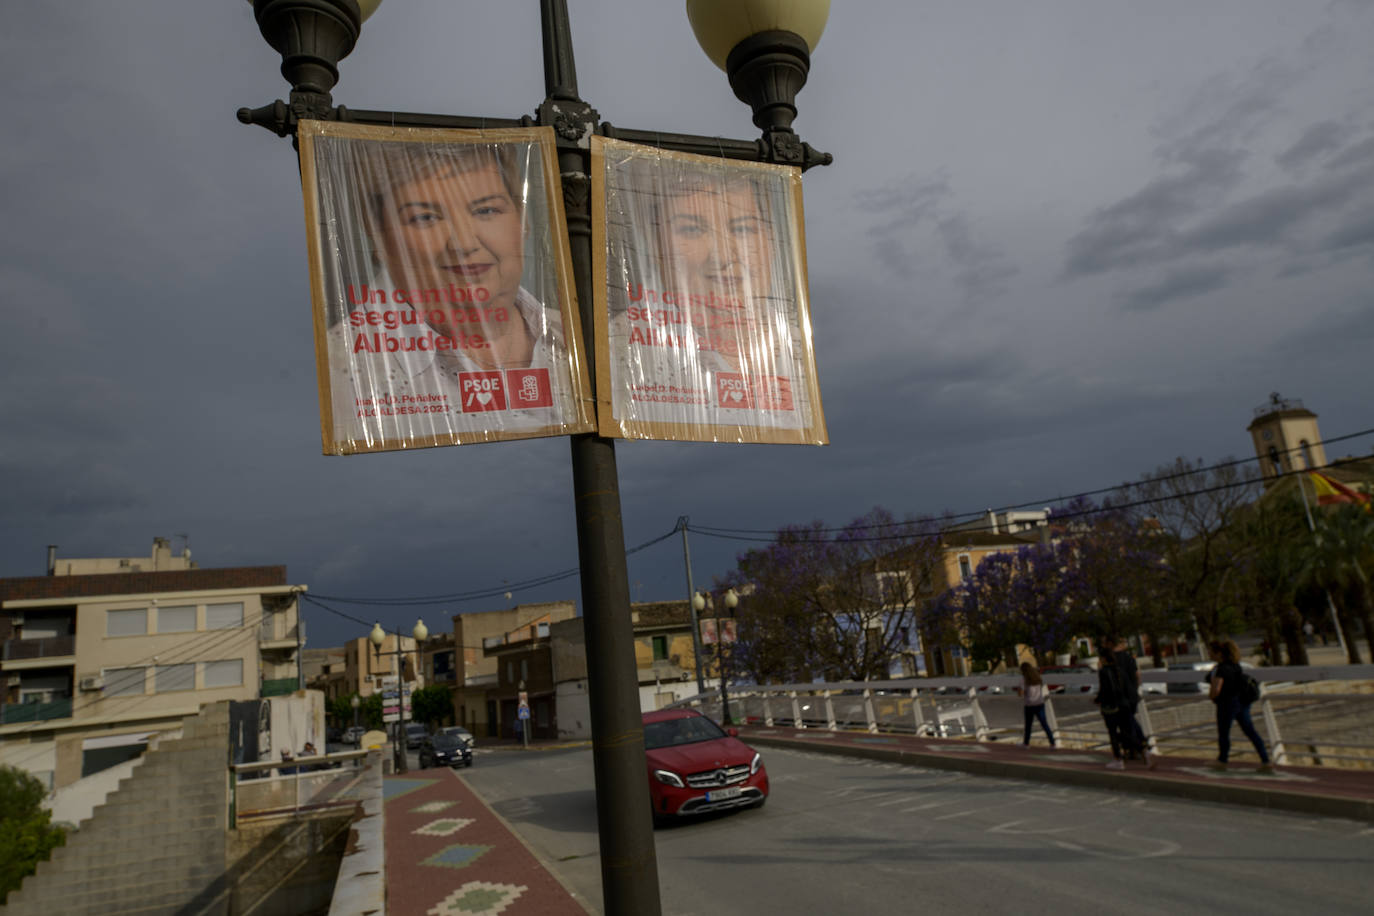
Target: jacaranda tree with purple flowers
[834, 604]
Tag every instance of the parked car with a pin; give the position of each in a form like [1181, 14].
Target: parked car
[461, 733]
[696, 767]
[1049, 671]
[444, 751]
[415, 734]
[354, 735]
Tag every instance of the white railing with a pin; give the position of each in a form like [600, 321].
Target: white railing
[301, 786]
[1317, 716]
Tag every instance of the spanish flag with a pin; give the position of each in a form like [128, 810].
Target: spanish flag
[1331, 491]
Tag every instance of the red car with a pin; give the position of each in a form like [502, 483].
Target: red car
[695, 767]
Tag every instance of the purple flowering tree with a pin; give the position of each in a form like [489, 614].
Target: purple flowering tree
[841, 605]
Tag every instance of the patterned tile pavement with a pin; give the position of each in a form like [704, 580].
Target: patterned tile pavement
[489, 872]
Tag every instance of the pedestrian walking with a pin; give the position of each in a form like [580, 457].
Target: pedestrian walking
[1231, 691]
[1113, 700]
[1130, 673]
[1033, 695]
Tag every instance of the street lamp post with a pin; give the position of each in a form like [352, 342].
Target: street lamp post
[764, 47]
[355, 702]
[378, 636]
[731, 602]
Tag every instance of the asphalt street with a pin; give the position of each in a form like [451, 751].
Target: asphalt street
[845, 835]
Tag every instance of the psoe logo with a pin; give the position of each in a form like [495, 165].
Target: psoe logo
[529, 387]
[482, 391]
[732, 391]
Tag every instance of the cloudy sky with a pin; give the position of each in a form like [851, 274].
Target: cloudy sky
[1061, 244]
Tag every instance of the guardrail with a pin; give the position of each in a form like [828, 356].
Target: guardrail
[43, 647]
[12, 713]
[1319, 716]
[291, 788]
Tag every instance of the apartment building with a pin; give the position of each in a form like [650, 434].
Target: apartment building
[102, 654]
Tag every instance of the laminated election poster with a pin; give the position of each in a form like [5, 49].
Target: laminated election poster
[703, 321]
[442, 287]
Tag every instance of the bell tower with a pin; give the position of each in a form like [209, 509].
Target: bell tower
[1286, 438]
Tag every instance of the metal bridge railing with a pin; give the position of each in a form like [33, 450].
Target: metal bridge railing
[1313, 716]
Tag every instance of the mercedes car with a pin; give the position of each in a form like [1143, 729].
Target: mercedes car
[695, 767]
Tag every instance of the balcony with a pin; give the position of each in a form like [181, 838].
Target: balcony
[47, 647]
[289, 638]
[14, 713]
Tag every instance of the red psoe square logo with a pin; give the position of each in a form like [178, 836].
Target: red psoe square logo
[732, 391]
[529, 387]
[482, 391]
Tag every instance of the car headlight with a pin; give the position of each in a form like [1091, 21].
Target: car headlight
[755, 764]
[669, 778]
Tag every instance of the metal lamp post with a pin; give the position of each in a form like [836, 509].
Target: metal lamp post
[355, 702]
[764, 47]
[731, 602]
[378, 636]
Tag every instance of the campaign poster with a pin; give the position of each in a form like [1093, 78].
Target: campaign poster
[442, 287]
[702, 315]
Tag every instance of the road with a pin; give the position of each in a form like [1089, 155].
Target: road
[842, 835]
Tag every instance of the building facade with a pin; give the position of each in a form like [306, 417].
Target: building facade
[96, 662]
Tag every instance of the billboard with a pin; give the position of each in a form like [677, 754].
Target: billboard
[442, 290]
[702, 315]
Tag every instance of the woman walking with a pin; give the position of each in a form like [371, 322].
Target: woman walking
[1033, 697]
[1233, 705]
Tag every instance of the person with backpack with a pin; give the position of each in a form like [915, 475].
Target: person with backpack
[1233, 691]
[1113, 699]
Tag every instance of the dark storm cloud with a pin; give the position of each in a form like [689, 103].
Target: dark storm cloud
[1142, 229]
[910, 212]
[1185, 283]
[1316, 141]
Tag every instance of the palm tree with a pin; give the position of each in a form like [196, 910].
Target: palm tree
[1340, 559]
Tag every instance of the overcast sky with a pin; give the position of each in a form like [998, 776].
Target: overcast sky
[1062, 243]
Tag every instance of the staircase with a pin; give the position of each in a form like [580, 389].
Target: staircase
[157, 845]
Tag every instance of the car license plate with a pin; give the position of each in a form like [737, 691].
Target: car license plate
[721, 794]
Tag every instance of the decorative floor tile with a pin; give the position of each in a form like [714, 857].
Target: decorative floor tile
[444, 826]
[433, 807]
[477, 898]
[393, 787]
[456, 856]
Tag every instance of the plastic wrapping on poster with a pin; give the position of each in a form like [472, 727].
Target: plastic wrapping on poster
[703, 321]
[442, 287]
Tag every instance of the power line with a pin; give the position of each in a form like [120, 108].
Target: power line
[1060, 500]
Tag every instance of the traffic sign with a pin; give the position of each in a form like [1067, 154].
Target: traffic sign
[524, 713]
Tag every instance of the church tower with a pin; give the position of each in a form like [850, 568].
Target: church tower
[1286, 438]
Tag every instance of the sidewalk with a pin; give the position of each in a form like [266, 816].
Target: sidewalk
[1325, 791]
[447, 854]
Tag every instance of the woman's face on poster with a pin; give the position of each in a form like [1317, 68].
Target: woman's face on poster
[720, 241]
[461, 228]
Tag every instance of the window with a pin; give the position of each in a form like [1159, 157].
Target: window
[227, 673]
[510, 672]
[660, 648]
[171, 678]
[965, 567]
[224, 616]
[176, 619]
[1306, 453]
[126, 623]
[123, 682]
[524, 669]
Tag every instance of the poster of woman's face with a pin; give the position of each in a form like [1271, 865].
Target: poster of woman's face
[442, 287]
[703, 321]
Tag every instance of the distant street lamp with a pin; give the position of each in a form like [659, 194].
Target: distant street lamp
[731, 601]
[378, 636]
[355, 702]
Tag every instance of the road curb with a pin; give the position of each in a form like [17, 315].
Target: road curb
[1142, 782]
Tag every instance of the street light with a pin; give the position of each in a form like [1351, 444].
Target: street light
[378, 636]
[765, 48]
[355, 702]
[731, 601]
